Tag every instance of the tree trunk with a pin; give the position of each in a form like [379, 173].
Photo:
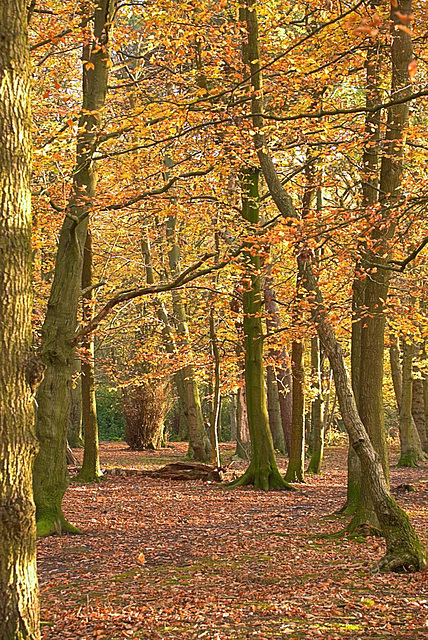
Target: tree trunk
[243, 440]
[353, 486]
[75, 433]
[20, 371]
[396, 373]
[57, 350]
[168, 340]
[418, 410]
[296, 463]
[317, 411]
[91, 470]
[411, 450]
[282, 362]
[425, 388]
[274, 410]
[403, 547]
[199, 444]
[263, 471]
[233, 409]
[215, 410]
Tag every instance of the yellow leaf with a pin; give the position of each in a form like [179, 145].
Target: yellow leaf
[141, 558]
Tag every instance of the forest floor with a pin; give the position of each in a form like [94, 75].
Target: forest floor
[166, 559]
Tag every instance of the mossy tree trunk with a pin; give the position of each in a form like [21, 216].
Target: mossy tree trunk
[91, 470]
[262, 472]
[367, 330]
[57, 350]
[404, 550]
[377, 284]
[20, 372]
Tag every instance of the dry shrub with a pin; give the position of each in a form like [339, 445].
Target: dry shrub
[145, 408]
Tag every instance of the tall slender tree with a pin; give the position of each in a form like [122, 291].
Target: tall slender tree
[262, 472]
[57, 350]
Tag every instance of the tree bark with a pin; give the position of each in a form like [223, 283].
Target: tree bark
[91, 470]
[20, 370]
[262, 472]
[403, 547]
[75, 433]
[57, 350]
[282, 360]
[243, 439]
[317, 411]
[418, 411]
[295, 469]
[274, 410]
[199, 444]
[233, 408]
[411, 450]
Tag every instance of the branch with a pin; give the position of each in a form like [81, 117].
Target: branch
[338, 112]
[61, 34]
[156, 192]
[87, 290]
[176, 136]
[191, 273]
[403, 263]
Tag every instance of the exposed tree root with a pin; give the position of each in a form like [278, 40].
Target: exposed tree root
[264, 478]
[87, 477]
[412, 459]
[400, 563]
[48, 526]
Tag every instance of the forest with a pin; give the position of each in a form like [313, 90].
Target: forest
[213, 319]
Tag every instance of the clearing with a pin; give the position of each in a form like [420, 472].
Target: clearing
[189, 560]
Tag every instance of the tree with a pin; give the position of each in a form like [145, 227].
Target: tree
[20, 369]
[402, 376]
[262, 472]
[91, 470]
[57, 349]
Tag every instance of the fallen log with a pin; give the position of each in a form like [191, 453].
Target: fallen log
[174, 471]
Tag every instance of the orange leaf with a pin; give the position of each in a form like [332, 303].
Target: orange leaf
[413, 67]
[402, 27]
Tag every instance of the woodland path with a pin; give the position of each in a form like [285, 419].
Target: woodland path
[167, 559]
